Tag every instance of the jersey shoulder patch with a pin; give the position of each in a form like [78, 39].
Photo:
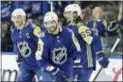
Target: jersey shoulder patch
[86, 34]
[83, 29]
[37, 31]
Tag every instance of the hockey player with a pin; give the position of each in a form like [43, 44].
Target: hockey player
[25, 36]
[98, 23]
[88, 42]
[59, 45]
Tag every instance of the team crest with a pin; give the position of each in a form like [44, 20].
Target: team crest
[59, 55]
[24, 49]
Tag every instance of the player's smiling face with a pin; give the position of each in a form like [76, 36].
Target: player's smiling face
[51, 26]
[68, 15]
[18, 21]
[100, 13]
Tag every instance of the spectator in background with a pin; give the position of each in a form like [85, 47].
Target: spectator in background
[5, 11]
[115, 27]
[86, 14]
[37, 9]
[112, 23]
[98, 24]
[39, 21]
[115, 20]
[6, 42]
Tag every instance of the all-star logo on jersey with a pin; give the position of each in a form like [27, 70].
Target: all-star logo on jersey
[59, 55]
[24, 49]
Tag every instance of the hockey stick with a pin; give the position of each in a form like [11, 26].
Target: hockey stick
[112, 50]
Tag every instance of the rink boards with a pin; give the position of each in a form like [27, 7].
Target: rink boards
[112, 73]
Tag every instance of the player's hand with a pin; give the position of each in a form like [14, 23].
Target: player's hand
[57, 74]
[55, 71]
[103, 61]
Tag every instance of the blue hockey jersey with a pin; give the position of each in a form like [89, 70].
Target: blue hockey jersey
[26, 44]
[88, 51]
[98, 27]
[59, 50]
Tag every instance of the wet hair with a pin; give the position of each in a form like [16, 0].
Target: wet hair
[77, 19]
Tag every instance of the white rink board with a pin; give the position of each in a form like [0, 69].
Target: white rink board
[113, 73]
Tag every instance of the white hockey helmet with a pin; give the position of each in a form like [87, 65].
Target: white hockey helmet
[50, 16]
[77, 8]
[68, 8]
[17, 12]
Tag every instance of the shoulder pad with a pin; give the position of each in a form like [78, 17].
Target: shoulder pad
[37, 31]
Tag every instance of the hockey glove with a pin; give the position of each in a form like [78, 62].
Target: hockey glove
[103, 61]
[57, 74]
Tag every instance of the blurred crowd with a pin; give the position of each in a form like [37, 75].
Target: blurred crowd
[36, 10]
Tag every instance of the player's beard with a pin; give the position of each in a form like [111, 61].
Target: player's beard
[54, 30]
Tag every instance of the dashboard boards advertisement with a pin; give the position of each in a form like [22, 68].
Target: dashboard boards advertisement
[113, 73]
